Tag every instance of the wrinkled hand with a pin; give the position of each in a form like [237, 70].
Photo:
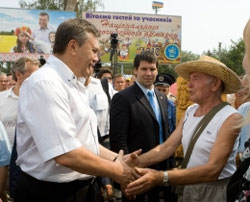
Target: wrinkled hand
[133, 159]
[124, 194]
[127, 173]
[108, 189]
[149, 179]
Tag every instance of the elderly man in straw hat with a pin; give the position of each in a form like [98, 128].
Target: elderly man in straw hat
[208, 133]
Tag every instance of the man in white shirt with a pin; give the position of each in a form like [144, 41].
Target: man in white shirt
[99, 102]
[3, 81]
[4, 160]
[21, 70]
[57, 144]
[42, 32]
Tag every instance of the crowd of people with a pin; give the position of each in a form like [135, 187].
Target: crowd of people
[68, 133]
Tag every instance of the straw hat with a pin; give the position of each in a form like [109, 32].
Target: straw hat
[211, 66]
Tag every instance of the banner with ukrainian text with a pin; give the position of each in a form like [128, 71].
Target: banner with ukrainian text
[137, 32]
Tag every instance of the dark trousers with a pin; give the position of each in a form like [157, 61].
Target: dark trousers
[31, 189]
[156, 194]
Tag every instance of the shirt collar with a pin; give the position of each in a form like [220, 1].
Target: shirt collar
[65, 71]
[145, 90]
[9, 93]
[44, 28]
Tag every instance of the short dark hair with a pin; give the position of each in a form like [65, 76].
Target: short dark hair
[104, 71]
[76, 29]
[44, 14]
[147, 56]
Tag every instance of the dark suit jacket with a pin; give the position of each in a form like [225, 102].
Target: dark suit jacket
[133, 124]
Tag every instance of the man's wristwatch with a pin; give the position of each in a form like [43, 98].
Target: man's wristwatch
[165, 178]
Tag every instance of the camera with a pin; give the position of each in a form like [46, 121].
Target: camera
[114, 35]
[114, 40]
[42, 60]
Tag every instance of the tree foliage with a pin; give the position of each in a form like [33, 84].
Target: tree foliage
[43, 4]
[69, 5]
[231, 57]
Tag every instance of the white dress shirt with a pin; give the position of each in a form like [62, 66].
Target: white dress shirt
[54, 118]
[43, 34]
[98, 101]
[4, 147]
[8, 112]
[40, 34]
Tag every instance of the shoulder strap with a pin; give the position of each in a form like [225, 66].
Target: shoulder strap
[199, 129]
[105, 87]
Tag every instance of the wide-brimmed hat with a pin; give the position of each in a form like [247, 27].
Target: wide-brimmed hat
[211, 66]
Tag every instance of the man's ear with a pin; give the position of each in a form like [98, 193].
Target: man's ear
[72, 47]
[216, 84]
[18, 75]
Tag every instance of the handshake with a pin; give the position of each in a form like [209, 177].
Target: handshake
[132, 177]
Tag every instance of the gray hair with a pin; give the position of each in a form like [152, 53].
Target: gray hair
[19, 65]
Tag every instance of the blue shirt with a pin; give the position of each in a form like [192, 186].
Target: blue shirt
[245, 130]
[171, 116]
[4, 147]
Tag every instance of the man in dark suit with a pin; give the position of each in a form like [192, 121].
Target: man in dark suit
[136, 123]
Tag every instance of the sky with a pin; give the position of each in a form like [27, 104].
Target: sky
[205, 23]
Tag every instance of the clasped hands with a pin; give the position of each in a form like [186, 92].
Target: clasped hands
[136, 180]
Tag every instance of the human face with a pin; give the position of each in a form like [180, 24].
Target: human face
[9, 78]
[29, 69]
[146, 74]
[3, 83]
[52, 37]
[199, 85]
[86, 57]
[119, 83]
[12, 82]
[23, 38]
[107, 76]
[163, 89]
[43, 21]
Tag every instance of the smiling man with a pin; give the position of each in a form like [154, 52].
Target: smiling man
[57, 144]
[42, 32]
[139, 118]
